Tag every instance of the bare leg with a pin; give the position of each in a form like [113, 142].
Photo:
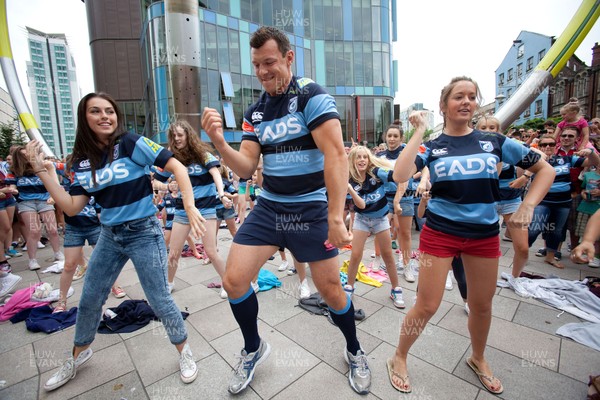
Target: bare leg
[432, 279]
[358, 246]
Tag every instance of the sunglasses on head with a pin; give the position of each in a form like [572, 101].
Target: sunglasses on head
[569, 136]
[547, 144]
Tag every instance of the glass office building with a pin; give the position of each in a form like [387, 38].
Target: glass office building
[54, 90]
[344, 45]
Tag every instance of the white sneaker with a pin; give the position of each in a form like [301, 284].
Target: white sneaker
[595, 263]
[41, 245]
[83, 357]
[68, 370]
[414, 266]
[396, 296]
[304, 289]
[33, 264]
[467, 310]
[187, 365]
[223, 293]
[59, 256]
[255, 286]
[408, 274]
[284, 265]
[399, 267]
[8, 283]
[170, 286]
[449, 284]
[374, 265]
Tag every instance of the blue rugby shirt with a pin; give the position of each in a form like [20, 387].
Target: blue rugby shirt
[560, 191]
[464, 180]
[203, 184]
[282, 125]
[372, 191]
[123, 188]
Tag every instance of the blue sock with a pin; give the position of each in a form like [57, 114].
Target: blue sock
[344, 319]
[245, 311]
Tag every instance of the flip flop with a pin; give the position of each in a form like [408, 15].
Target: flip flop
[404, 379]
[486, 381]
[555, 264]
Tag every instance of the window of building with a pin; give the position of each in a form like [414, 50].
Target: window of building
[228, 113]
[541, 55]
[509, 92]
[521, 50]
[538, 107]
[529, 64]
[510, 75]
[519, 70]
[501, 79]
[527, 113]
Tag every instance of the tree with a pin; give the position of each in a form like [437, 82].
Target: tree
[9, 136]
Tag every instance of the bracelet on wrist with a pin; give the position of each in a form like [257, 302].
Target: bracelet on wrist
[40, 170]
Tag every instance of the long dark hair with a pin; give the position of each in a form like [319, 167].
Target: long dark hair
[87, 146]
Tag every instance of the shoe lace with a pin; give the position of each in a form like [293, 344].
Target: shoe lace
[243, 363]
[360, 366]
[186, 360]
[66, 369]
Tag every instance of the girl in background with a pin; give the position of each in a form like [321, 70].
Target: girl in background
[368, 175]
[207, 186]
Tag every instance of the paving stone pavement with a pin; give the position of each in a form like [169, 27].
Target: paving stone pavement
[306, 360]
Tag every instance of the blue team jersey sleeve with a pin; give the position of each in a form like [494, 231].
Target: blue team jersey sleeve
[320, 107]
[211, 162]
[385, 175]
[517, 154]
[248, 132]
[144, 151]
[162, 175]
[422, 159]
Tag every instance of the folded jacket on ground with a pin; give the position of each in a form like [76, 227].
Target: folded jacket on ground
[41, 319]
[131, 315]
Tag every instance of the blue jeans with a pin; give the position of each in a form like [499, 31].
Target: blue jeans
[141, 241]
[552, 221]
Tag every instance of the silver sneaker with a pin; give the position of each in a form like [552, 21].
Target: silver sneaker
[360, 374]
[187, 365]
[244, 370]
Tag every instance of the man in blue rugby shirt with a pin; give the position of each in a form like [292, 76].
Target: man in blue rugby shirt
[296, 127]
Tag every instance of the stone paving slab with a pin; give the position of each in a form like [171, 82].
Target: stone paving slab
[104, 366]
[128, 386]
[155, 358]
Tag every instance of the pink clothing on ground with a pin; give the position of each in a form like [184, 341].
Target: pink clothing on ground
[20, 301]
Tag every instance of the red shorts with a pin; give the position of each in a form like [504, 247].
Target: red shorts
[441, 244]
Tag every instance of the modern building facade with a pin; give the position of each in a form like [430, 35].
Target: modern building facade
[344, 46]
[8, 112]
[54, 90]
